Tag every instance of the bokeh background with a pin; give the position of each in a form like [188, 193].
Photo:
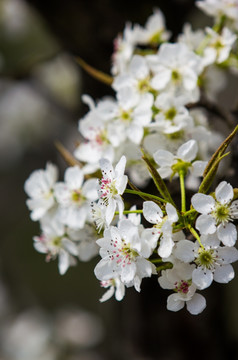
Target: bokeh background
[45, 316]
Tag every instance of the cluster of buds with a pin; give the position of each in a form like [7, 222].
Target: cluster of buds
[155, 129]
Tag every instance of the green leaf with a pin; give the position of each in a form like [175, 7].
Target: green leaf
[159, 182]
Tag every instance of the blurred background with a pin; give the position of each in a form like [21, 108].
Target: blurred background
[45, 316]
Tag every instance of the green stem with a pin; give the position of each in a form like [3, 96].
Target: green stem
[190, 212]
[165, 266]
[156, 261]
[140, 193]
[182, 189]
[130, 212]
[195, 234]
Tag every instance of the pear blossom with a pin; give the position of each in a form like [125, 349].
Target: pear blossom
[219, 46]
[172, 115]
[162, 225]
[154, 31]
[219, 8]
[55, 242]
[40, 188]
[176, 70]
[217, 213]
[74, 197]
[86, 241]
[137, 78]
[115, 287]
[179, 279]
[120, 249]
[112, 186]
[212, 261]
[184, 159]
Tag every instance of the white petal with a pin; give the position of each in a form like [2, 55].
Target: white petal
[171, 212]
[106, 167]
[204, 204]
[202, 278]
[108, 294]
[128, 272]
[89, 189]
[120, 290]
[104, 270]
[184, 251]
[161, 79]
[228, 254]
[198, 167]
[188, 151]
[74, 177]
[63, 263]
[165, 171]
[224, 192]
[120, 167]
[227, 234]
[206, 224]
[173, 303]
[166, 246]
[223, 274]
[152, 212]
[163, 157]
[196, 305]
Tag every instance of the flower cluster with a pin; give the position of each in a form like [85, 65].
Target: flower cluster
[157, 111]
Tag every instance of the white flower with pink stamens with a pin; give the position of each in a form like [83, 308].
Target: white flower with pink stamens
[179, 279]
[111, 187]
[122, 255]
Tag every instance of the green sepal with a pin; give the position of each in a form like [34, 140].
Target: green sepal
[159, 182]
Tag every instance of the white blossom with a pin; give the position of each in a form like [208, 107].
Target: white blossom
[40, 188]
[217, 213]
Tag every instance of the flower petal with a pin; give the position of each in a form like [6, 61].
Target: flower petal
[206, 224]
[224, 192]
[223, 274]
[173, 303]
[188, 151]
[152, 212]
[196, 305]
[202, 278]
[184, 251]
[227, 234]
[204, 204]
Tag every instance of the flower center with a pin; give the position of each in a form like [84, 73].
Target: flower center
[107, 189]
[182, 286]
[125, 115]
[144, 85]
[155, 38]
[57, 241]
[221, 213]
[176, 77]
[76, 196]
[171, 113]
[207, 259]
